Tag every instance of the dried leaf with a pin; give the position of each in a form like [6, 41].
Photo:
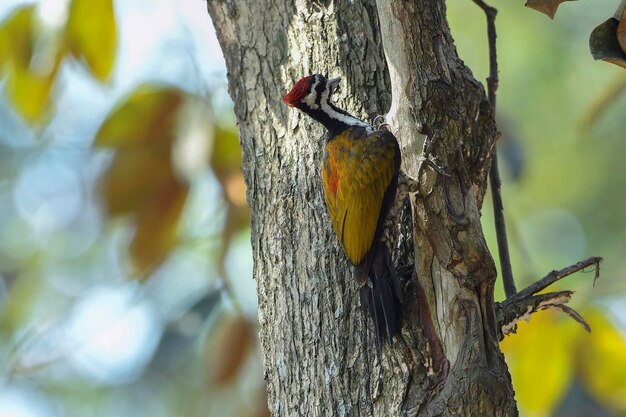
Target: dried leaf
[147, 116]
[604, 45]
[141, 180]
[228, 348]
[157, 227]
[547, 7]
[134, 176]
[92, 35]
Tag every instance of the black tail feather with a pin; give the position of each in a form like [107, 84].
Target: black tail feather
[381, 296]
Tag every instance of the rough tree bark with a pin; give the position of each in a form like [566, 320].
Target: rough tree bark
[318, 348]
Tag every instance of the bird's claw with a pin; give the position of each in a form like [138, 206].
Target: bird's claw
[380, 122]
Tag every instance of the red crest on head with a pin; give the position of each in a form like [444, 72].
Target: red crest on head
[299, 91]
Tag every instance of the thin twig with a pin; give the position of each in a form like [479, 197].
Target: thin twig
[494, 173]
[554, 276]
[511, 314]
[492, 80]
[527, 302]
[573, 314]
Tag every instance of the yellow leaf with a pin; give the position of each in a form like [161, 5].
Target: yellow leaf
[16, 37]
[157, 227]
[146, 117]
[29, 93]
[540, 360]
[547, 7]
[27, 88]
[134, 176]
[602, 361]
[92, 35]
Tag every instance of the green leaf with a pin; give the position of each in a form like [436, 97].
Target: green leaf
[604, 45]
[547, 7]
[92, 35]
[146, 117]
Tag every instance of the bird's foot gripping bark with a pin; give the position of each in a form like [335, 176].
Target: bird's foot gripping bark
[419, 184]
[380, 122]
[526, 302]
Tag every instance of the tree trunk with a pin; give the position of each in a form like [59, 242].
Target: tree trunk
[318, 349]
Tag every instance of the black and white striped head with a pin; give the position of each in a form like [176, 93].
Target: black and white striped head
[308, 93]
[313, 96]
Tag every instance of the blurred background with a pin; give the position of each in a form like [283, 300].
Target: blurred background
[125, 264]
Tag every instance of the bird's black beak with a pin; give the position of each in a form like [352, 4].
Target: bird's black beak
[333, 83]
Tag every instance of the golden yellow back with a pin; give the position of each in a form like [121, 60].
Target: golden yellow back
[357, 170]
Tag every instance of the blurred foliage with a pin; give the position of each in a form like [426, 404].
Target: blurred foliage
[550, 351]
[161, 142]
[141, 181]
[91, 34]
[31, 53]
[29, 80]
[125, 267]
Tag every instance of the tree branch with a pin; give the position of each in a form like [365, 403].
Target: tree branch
[526, 302]
[554, 276]
[494, 173]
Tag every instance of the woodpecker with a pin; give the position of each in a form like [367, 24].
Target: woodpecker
[360, 172]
